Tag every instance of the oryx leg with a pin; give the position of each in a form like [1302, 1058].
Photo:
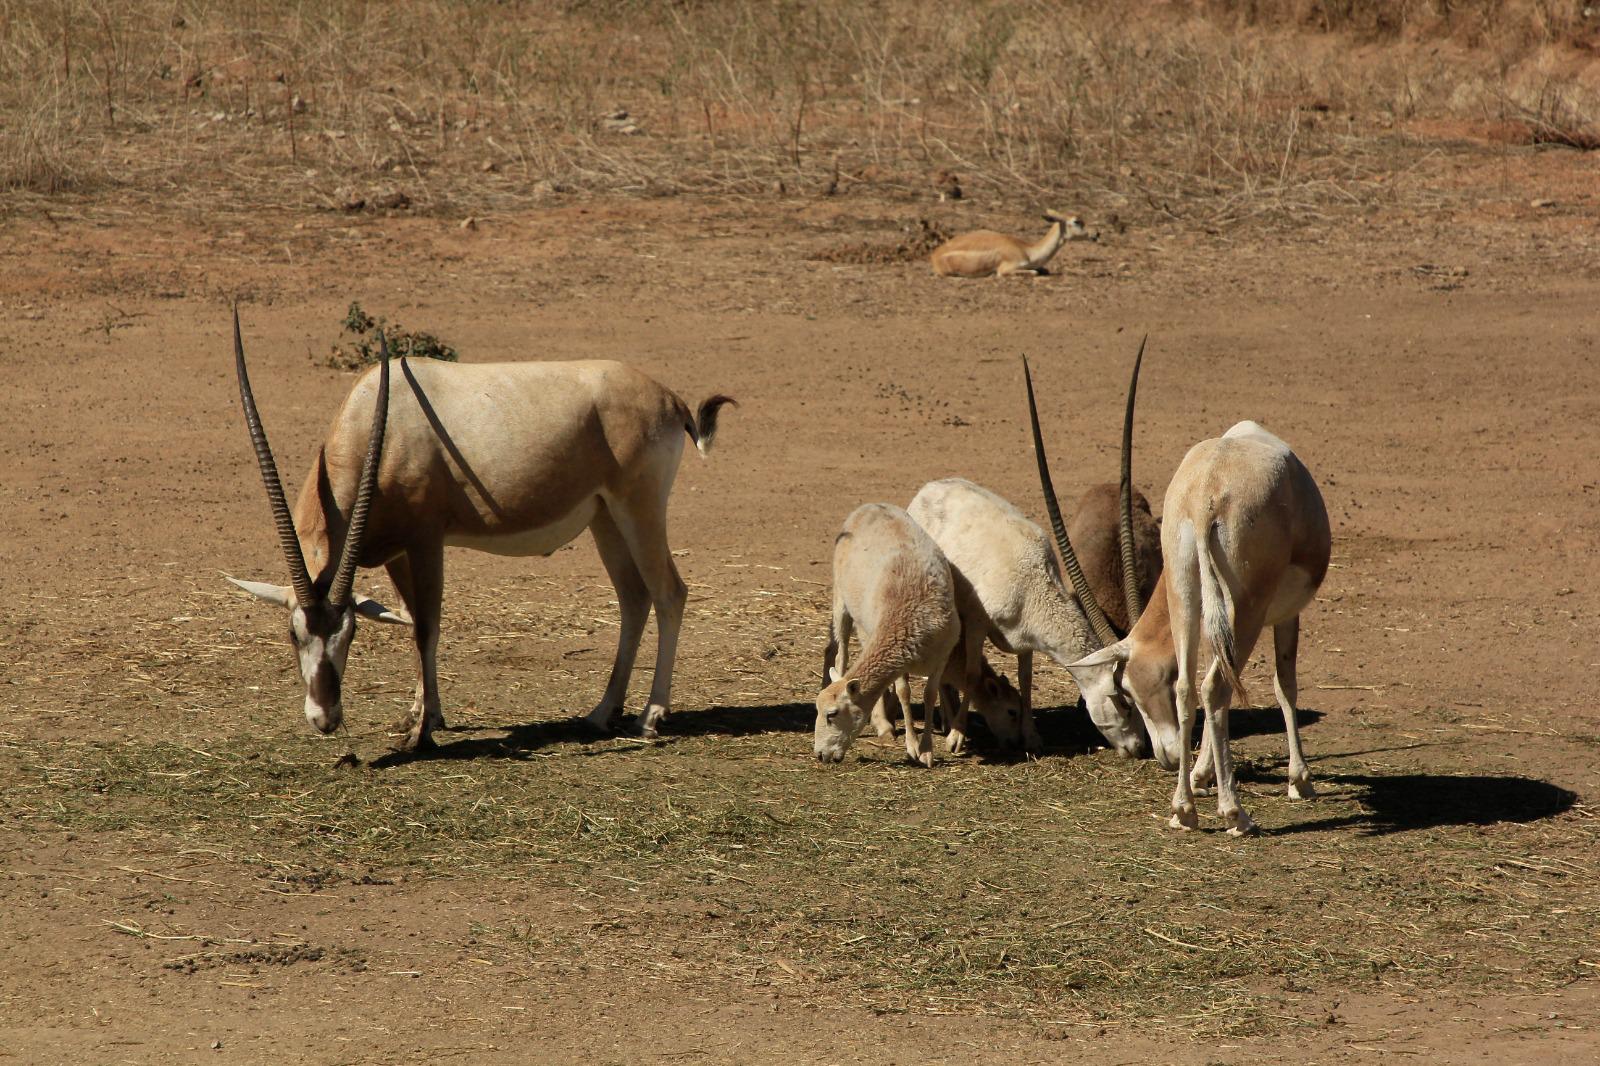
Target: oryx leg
[643, 524]
[919, 746]
[418, 576]
[972, 638]
[1218, 695]
[1204, 774]
[1183, 592]
[1285, 646]
[633, 602]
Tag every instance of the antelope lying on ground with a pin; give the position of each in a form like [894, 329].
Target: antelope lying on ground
[508, 458]
[984, 252]
[891, 581]
[1245, 541]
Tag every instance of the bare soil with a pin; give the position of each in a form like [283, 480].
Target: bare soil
[187, 874]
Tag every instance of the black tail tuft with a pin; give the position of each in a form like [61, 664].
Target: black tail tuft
[704, 429]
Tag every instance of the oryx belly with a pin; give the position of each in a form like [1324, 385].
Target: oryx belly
[539, 540]
[1295, 590]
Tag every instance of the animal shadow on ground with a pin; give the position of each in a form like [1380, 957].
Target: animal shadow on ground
[522, 741]
[1399, 803]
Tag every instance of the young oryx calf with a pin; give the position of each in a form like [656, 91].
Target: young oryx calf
[1246, 542]
[984, 253]
[509, 458]
[892, 581]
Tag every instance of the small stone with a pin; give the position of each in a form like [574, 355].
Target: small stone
[216, 1045]
[1542, 203]
[469, 223]
[489, 166]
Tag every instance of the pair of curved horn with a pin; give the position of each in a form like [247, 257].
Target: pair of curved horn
[299, 577]
[1069, 558]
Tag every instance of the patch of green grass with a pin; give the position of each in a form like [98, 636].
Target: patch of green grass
[364, 349]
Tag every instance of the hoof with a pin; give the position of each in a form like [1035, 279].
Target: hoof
[925, 760]
[1302, 790]
[411, 743]
[601, 720]
[1243, 827]
[1184, 819]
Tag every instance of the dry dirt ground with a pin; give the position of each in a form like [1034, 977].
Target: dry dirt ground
[185, 874]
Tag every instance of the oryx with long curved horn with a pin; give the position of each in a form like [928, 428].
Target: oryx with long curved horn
[509, 458]
[1245, 544]
[1007, 561]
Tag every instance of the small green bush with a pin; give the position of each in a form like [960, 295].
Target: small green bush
[363, 348]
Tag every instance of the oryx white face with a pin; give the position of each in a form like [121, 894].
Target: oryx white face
[840, 719]
[322, 637]
[1102, 679]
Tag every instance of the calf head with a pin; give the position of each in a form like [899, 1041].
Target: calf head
[842, 713]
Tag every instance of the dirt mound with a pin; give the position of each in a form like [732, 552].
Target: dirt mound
[919, 243]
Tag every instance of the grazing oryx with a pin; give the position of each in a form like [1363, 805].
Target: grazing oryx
[508, 458]
[984, 253]
[1245, 541]
[1007, 561]
[891, 580]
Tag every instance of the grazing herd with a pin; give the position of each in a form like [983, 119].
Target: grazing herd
[520, 458]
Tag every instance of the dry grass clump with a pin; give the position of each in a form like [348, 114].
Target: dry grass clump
[370, 106]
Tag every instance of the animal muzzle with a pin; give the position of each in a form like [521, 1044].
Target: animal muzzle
[324, 719]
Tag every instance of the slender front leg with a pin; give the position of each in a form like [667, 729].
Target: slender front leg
[1285, 647]
[633, 603]
[427, 585]
[923, 752]
[1031, 741]
[972, 638]
[1204, 773]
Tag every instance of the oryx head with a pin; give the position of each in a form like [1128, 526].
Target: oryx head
[322, 614]
[1100, 676]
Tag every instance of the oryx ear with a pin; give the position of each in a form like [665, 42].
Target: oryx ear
[1098, 665]
[282, 595]
[368, 607]
[833, 674]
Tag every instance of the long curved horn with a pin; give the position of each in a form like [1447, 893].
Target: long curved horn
[345, 576]
[1130, 565]
[288, 539]
[1080, 584]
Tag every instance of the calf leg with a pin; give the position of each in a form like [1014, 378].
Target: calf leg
[633, 602]
[972, 638]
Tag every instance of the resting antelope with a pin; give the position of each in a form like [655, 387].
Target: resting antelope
[1245, 543]
[508, 458]
[984, 252]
